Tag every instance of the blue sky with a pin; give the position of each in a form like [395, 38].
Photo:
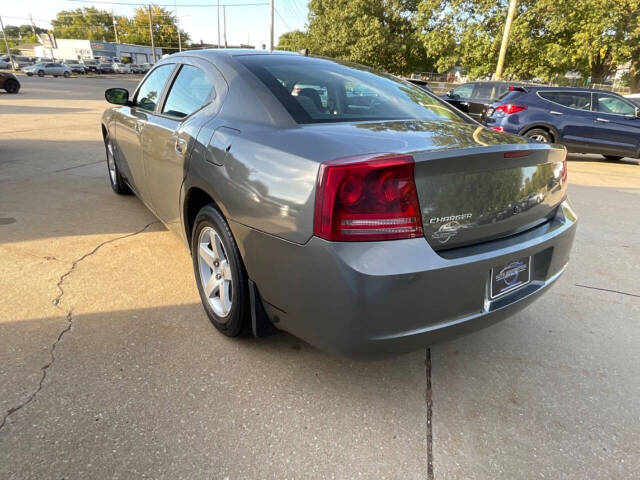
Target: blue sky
[245, 24]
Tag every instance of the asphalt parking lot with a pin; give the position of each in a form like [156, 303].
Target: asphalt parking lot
[109, 367]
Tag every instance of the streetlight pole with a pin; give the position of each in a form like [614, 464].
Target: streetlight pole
[505, 38]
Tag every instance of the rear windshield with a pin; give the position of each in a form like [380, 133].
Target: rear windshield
[315, 90]
[510, 95]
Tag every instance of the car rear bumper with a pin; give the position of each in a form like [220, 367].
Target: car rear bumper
[373, 298]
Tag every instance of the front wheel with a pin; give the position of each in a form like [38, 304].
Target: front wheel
[66, 74]
[612, 158]
[220, 275]
[115, 179]
[41, 73]
[539, 135]
[29, 74]
[11, 86]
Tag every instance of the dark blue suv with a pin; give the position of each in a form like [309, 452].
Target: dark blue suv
[586, 121]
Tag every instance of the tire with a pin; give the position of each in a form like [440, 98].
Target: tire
[540, 135]
[66, 74]
[232, 318]
[613, 158]
[56, 76]
[115, 179]
[41, 73]
[12, 86]
[29, 74]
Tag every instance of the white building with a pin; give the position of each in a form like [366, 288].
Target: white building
[69, 49]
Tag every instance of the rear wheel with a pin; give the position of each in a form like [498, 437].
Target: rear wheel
[612, 158]
[41, 73]
[539, 135]
[11, 86]
[29, 74]
[220, 275]
[67, 74]
[115, 179]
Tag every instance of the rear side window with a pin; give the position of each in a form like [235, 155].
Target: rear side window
[484, 90]
[190, 91]
[464, 91]
[611, 104]
[576, 100]
[151, 89]
[315, 90]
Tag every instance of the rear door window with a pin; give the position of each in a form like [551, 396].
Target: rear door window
[464, 91]
[575, 100]
[484, 90]
[150, 91]
[190, 91]
[606, 103]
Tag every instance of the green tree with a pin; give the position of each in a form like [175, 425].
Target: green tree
[548, 37]
[85, 23]
[165, 30]
[371, 32]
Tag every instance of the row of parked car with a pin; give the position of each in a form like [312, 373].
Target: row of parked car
[42, 67]
[584, 120]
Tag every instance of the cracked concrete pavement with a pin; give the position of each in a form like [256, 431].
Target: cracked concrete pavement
[143, 386]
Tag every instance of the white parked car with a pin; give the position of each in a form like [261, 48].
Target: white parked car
[121, 68]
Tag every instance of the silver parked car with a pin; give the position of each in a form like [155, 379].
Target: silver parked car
[48, 68]
[345, 206]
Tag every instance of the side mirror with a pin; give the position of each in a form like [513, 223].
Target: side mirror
[450, 93]
[117, 96]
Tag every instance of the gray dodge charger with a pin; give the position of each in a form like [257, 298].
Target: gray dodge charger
[343, 205]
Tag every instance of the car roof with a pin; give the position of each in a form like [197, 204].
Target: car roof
[229, 52]
[566, 89]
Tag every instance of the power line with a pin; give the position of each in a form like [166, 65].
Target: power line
[193, 5]
[280, 17]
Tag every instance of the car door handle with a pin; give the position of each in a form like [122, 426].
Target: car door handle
[553, 112]
[603, 120]
[181, 146]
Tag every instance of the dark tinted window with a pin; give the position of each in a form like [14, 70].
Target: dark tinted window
[315, 90]
[611, 104]
[484, 90]
[577, 100]
[151, 89]
[190, 91]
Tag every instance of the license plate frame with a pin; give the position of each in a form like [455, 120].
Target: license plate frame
[509, 277]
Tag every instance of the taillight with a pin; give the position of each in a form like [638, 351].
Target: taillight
[510, 108]
[497, 129]
[366, 198]
[565, 170]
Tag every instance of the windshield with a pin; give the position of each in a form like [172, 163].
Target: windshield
[315, 90]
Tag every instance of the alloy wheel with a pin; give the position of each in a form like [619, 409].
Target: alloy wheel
[215, 272]
[111, 163]
[539, 138]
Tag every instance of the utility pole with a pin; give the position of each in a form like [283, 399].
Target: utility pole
[6, 44]
[224, 24]
[271, 9]
[175, 9]
[218, 23]
[115, 26]
[33, 25]
[505, 38]
[153, 47]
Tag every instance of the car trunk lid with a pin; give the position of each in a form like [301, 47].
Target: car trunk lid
[471, 196]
